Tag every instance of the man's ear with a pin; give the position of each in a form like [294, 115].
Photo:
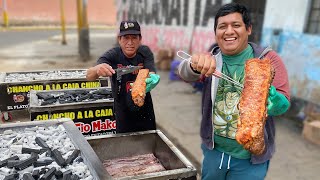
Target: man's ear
[249, 30]
[119, 38]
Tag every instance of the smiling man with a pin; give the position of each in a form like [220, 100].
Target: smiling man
[129, 118]
[224, 158]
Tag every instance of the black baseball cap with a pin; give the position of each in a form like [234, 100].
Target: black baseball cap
[129, 27]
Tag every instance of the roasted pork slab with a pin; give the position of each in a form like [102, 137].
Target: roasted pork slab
[252, 105]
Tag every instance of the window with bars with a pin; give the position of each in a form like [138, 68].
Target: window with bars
[313, 25]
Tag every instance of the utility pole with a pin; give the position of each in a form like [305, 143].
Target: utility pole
[83, 30]
[5, 13]
[63, 24]
[79, 15]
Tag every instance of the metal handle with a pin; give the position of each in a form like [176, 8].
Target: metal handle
[189, 56]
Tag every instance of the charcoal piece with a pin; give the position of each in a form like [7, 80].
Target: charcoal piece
[36, 174]
[14, 140]
[79, 159]
[47, 102]
[13, 158]
[41, 143]
[43, 170]
[98, 96]
[67, 97]
[49, 174]
[59, 175]
[5, 162]
[84, 97]
[64, 101]
[67, 175]
[75, 177]
[49, 153]
[56, 155]
[27, 176]
[45, 96]
[73, 156]
[43, 150]
[12, 177]
[30, 150]
[42, 163]
[27, 162]
[12, 163]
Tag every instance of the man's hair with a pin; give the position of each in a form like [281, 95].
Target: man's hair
[233, 8]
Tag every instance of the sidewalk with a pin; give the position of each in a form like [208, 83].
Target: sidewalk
[50, 27]
[50, 54]
[177, 107]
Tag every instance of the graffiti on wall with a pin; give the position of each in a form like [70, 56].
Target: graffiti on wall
[177, 24]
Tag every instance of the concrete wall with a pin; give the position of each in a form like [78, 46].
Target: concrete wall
[286, 14]
[283, 30]
[48, 11]
[179, 24]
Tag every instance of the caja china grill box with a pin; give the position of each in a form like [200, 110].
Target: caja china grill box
[111, 147]
[41, 135]
[91, 109]
[15, 86]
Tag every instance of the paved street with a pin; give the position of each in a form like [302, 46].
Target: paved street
[177, 107]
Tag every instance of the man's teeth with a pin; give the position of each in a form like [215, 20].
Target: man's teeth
[230, 39]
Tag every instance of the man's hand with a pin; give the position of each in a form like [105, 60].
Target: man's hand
[152, 81]
[104, 70]
[205, 64]
[277, 103]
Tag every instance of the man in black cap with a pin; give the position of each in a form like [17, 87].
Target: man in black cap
[129, 118]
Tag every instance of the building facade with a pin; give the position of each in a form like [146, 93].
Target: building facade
[291, 27]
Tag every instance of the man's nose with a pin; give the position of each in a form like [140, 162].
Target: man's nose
[229, 30]
[130, 41]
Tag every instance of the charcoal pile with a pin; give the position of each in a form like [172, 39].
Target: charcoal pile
[73, 96]
[46, 75]
[40, 153]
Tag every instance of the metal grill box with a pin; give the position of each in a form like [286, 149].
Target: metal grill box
[15, 86]
[93, 118]
[139, 143]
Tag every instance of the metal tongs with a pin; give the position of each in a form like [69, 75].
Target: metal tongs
[126, 70]
[216, 73]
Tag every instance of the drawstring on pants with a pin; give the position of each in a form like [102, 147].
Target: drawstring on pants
[221, 161]
[229, 162]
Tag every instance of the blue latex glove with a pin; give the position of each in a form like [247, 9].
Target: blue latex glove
[277, 103]
[152, 81]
